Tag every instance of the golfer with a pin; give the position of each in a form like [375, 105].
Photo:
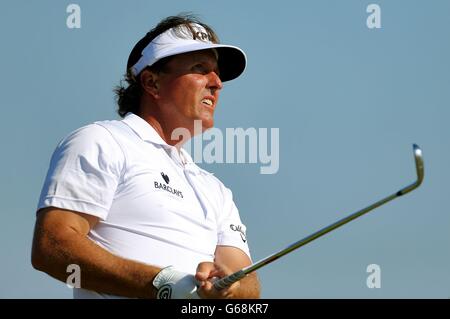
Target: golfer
[124, 202]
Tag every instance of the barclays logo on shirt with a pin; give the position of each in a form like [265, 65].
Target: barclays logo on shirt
[165, 177]
[166, 187]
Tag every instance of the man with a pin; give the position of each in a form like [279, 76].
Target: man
[123, 200]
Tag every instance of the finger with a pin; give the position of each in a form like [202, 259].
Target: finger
[216, 274]
[205, 290]
[203, 270]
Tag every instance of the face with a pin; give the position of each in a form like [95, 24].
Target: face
[189, 89]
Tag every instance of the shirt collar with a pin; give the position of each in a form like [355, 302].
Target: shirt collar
[143, 129]
[186, 157]
[148, 133]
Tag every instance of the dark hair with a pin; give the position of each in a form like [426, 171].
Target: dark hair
[128, 97]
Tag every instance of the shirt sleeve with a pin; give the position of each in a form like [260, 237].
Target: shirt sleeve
[231, 230]
[84, 172]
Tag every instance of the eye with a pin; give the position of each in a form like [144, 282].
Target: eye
[200, 68]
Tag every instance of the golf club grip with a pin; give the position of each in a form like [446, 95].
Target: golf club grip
[229, 280]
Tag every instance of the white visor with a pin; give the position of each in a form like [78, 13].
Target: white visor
[177, 40]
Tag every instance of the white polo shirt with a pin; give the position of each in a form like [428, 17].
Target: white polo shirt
[155, 205]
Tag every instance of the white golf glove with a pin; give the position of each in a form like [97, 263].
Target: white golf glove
[173, 284]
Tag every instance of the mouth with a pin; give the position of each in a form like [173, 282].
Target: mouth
[208, 101]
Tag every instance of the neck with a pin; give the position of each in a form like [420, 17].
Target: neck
[168, 130]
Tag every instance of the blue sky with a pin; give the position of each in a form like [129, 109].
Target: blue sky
[348, 101]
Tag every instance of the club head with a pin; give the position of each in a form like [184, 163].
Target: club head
[419, 169]
[419, 164]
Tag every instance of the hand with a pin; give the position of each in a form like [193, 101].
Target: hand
[173, 284]
[207, 273]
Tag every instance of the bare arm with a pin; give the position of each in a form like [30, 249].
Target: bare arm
[235, 259]
[60, 239]
[227, 261]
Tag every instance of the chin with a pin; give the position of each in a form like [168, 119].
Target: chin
[207, 125]
[207, 122]
[201, 125]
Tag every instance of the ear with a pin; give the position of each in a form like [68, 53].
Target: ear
[149, 82]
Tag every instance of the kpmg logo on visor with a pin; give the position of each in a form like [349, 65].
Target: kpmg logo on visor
[166, 187]
[203, 36]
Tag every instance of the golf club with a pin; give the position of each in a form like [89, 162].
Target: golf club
[230, 279]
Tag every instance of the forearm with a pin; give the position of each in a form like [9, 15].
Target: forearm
[229, 259]
[101, 271]
[249, 287]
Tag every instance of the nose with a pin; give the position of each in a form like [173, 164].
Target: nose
[214, 82]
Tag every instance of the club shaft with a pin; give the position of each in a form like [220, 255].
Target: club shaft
[229, 280]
